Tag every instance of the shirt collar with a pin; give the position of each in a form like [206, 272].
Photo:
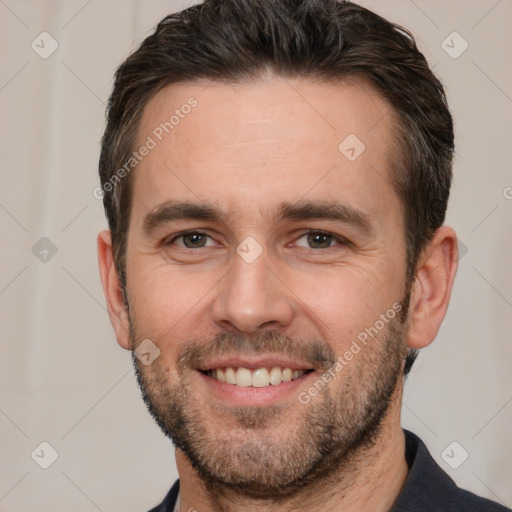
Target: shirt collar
[427, 487]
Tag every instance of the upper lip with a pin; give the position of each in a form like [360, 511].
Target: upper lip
[253, 363]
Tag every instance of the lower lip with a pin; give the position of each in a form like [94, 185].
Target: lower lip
[250, 395]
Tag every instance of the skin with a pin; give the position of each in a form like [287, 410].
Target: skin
[247, 149]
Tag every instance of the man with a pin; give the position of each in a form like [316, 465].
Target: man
[275, 177]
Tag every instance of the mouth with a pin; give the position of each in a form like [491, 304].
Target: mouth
[255, 377]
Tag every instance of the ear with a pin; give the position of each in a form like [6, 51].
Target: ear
[432, 287]
[113, 290]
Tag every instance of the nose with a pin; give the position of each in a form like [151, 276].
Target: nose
[252, 297]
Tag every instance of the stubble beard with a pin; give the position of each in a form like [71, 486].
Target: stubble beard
[275, 451]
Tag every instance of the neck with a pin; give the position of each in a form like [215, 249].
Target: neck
[368, 483]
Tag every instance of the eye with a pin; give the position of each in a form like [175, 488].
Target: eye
[320, 240]
[192, 240]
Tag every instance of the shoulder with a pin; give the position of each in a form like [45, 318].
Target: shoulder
[430, 489]
[469, 502]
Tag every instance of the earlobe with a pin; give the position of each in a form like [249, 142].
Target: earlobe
[432, 287]
[113, 290]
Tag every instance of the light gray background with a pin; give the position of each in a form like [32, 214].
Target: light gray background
[65, 381]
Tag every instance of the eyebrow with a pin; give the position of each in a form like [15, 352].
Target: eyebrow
[326, 210]
[171, 211]
[301, 210]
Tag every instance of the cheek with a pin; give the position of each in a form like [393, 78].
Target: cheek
[343, 302]
[166, 301]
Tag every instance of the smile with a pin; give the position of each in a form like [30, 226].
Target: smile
[258, 378]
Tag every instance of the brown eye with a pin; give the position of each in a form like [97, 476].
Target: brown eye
[319, 240]
[192, 240]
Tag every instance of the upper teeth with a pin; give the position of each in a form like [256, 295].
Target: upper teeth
[258, 378]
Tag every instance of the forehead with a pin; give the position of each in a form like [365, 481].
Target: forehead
[250, 145]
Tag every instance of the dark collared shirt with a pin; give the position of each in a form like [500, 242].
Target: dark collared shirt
[427, 488]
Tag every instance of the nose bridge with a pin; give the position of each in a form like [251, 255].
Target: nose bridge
[251, 296]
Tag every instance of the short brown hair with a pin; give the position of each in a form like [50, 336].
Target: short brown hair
[237, 40]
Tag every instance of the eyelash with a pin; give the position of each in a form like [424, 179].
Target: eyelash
[340, 240]
[185, 233]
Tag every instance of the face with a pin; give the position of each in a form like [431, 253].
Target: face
[266, 263]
